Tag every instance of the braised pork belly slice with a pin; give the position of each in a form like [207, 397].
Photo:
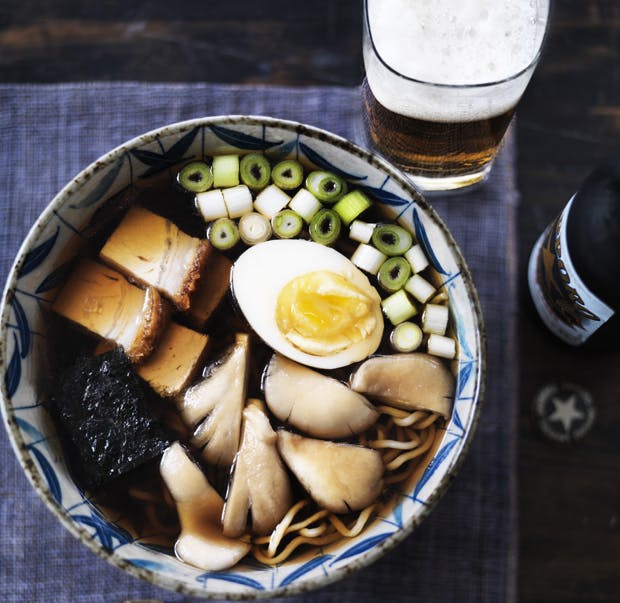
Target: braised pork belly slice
[210, 290]
[102, 301]
[153, 250]
[175, 361]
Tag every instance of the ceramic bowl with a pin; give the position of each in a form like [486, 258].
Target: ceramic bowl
[42, 263]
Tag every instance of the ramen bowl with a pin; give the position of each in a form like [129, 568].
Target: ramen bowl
[42, 265]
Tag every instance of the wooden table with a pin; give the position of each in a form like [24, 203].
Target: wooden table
[568, 121]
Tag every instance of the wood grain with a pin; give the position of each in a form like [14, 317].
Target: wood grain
[568, 121]
[267, 42]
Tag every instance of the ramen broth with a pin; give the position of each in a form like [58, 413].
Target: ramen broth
[139, 501]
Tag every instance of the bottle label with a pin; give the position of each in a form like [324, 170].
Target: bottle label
[568, 308]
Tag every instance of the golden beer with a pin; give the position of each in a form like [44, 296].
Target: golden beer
[443, 80]
[433, 149]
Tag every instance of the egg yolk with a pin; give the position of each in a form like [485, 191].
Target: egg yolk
[322, 313]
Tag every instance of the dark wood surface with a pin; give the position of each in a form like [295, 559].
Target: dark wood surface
[568, 121]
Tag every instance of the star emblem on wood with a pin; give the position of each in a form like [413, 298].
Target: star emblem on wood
[564, 412]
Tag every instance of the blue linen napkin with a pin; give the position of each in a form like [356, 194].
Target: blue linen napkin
[466, 550]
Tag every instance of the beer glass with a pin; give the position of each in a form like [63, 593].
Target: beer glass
[443, 79]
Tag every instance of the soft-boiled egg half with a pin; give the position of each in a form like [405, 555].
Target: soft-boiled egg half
[308, 302]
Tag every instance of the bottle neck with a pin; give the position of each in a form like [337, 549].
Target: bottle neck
[593, 233]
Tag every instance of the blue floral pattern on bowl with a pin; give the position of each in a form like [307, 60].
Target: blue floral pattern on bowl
[43, 262]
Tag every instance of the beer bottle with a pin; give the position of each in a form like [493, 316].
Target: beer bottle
[574, 267]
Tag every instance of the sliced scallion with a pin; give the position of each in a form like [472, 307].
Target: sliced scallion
[361, 231]
[195, 177]
[325, 186]
[255, 171]
[325, 227]
[438, 345]
[270, 201]
[211, 205]
[398, 307]
[368, 258]
[254, 228]
[391, 239]
[406, 337]
[225, 170]
[305, 204]
[416, 257]
[288, 174]
[223, 234]
[238, 200]
[441, 297]
[394, 273]
[420, 288]
[287, 224]
[352, 205]
[435, 319]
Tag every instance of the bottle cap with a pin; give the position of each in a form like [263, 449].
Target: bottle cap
[564, 412]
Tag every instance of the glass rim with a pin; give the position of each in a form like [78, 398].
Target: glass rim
[510, 78]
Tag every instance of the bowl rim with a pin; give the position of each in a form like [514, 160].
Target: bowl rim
[33, 473]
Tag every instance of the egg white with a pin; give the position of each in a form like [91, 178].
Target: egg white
[261, 272]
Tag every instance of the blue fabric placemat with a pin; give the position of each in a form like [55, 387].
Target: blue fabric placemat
[466, 550]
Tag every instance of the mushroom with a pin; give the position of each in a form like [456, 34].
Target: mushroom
[201, 542]
[407, 381]
[218, 402]
[260, 484]
[339, 477]
[313, 403]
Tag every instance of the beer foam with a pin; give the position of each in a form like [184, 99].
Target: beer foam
[465, 42]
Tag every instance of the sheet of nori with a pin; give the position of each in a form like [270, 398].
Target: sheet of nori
[108, 414]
